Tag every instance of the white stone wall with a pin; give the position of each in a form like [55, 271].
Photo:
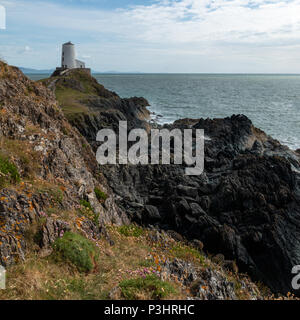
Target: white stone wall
[80, 64]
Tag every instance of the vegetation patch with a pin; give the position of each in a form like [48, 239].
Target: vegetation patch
[88, 211]
[150, 286]
[25, 157]
[101, 196]
[86, 204]
[127, 265]
[45, 279]
[187, 253]
[74, 90]
[78, 250]
[131, 231]
[8, 172]
[55, 192]
[78, 288]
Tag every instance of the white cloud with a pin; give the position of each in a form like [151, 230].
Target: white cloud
[194, 21]
[237, 31]
[175, 21]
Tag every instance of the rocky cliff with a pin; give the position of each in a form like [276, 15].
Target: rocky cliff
[46, 165]
[244, 208]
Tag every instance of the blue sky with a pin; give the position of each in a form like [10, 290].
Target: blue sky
[102, 4]
[156, 36]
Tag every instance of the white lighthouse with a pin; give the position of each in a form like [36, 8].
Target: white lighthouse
[69, 61]
[68, 58]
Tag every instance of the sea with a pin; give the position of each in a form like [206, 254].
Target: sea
[271, 101]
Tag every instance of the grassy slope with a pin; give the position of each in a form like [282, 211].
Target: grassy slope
[131, 264]
[73, 90]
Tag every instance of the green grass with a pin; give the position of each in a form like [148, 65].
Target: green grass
[74, 90]
[76, 249]
[101, 196]
[187, 253]
[150, 286]
[69, 99]
[8, 172]
[86, 204]
[131, 231]
[88, 211]
[47, 279]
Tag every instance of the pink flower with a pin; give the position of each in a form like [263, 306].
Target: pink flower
[43, 214]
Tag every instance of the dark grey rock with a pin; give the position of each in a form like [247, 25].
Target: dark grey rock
[187, 191]
[247, 205]
[52, 230]
[197, 210]
[151, 214]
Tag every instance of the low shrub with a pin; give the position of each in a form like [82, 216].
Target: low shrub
[76, 249]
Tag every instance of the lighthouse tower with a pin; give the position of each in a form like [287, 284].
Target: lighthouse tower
[68, 56]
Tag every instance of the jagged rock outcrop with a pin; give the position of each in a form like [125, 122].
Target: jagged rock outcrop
[245, 205]
[205, 283]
